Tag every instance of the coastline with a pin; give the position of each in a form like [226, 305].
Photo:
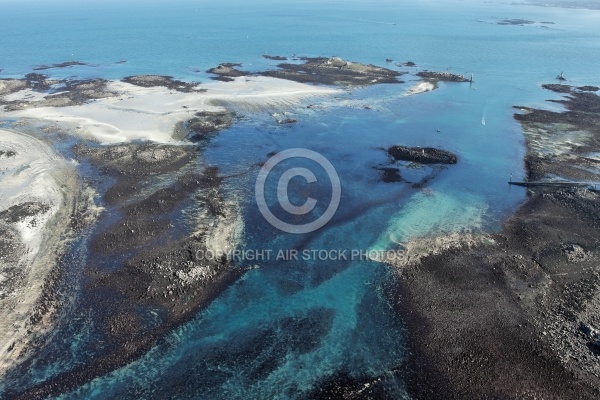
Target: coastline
[507, 318]
[146, 140]
[40, 194]
[134, 112]
[151, 129]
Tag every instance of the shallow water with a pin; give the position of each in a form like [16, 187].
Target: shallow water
[287, 326]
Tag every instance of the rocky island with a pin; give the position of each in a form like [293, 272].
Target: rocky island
[442, 76]
[318, 70]
[423, 155]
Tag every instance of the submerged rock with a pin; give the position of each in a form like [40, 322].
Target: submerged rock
[65, 64]
[390, 175]
[515, 21]
[276, 58]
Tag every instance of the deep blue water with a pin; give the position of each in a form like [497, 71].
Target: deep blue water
[288, 325]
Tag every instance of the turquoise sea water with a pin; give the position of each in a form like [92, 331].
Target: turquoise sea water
[287, 327]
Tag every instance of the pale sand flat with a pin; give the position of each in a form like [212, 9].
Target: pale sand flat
[152, 113]
[422, 87]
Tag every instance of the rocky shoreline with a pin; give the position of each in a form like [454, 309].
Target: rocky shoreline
[514, 315]
[142, 265]
[140, 261]
[331, 71]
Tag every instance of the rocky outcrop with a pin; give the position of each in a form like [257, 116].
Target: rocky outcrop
[226, 72]
[163, 81]
[334, 71]
[442, 76]
[423, 155]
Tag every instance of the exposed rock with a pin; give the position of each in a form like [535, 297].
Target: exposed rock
[588, 88]
[206, 123]
[66, 92]
[21, 211]
[334, 71]
[227, 71]
[423, 155]
[164, 81]
[557, 87]
[442, 76]
[286, 121]
[7, 154]
[8, 86]
[574, 253]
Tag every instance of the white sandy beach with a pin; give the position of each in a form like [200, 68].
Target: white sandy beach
[151, 113]
[421, 87]
[30, 173]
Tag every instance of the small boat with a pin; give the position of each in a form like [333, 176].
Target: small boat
[388, 60]
[471, 80]
[561, 77]
[483, 120]
[438, 130]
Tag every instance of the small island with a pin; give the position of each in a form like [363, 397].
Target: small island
[423, 155]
